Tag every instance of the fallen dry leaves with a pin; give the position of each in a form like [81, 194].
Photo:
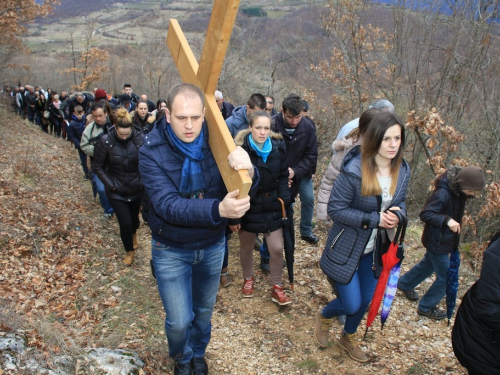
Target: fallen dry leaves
[50, 224]
[61, 273]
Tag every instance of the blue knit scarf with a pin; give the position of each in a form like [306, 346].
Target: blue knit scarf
[192, 181]
[266, 148]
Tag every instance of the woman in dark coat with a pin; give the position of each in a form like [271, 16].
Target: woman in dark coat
[267, 153]
[369, 190]
[142, 118]
[116, 163]
[476, 332]
[41, 106]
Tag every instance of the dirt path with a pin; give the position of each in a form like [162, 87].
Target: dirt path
[102, 303]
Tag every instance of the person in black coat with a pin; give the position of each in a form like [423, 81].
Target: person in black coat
[476, 332]
[75, 131]
[226, 108]
[143, 120]
[301, 143]
[56, 116]
[442, 215]
[41, 106]
[267, 152]
[116, 163]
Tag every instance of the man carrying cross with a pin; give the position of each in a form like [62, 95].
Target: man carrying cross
[188, 216]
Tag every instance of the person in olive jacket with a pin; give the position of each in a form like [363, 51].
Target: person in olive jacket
[442, 215]
[267, 152]
[116, 163]
[476, 332]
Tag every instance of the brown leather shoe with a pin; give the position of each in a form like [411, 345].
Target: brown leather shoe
[247, 289]
[279, 297]
[225, 278]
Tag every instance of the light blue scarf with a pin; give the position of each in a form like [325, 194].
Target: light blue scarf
[266, 148]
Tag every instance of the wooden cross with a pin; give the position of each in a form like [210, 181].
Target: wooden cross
[205, 75]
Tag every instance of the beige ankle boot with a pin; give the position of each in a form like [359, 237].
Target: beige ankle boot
[129, 258]
[134, 241]
[349, 342]
[322, 329]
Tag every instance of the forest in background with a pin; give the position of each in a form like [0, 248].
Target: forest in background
[440, 71]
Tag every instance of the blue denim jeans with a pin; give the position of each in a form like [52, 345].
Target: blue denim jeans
[353, 298]
[102, 195]
[188, 281]
[432, 262]
[307, 206]
[83, 160]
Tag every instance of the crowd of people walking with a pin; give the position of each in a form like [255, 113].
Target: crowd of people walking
[156, 159]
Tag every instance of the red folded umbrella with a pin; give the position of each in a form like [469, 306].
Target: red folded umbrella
[389, 260]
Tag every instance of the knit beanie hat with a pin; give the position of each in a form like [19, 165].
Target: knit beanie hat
[471, 178]
[100, 94]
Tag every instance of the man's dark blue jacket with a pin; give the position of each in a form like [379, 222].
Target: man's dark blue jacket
[181, 222]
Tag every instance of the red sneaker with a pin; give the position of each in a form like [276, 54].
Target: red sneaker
[279, 296]
[247, 289]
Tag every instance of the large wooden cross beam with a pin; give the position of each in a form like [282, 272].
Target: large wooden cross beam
[206, 75]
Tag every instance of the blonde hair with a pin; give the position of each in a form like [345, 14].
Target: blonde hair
[123, 118]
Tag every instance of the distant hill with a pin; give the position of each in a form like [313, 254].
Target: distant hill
[72, 8]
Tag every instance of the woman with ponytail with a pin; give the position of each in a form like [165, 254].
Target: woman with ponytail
[116, 163]
[371, 186]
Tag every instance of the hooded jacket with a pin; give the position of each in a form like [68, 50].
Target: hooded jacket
[445, 203]
[238, 121]
[183, 223]
[340, 148]
[476, 332]
[265, 214]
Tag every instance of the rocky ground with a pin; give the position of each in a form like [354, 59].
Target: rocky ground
[63, 285]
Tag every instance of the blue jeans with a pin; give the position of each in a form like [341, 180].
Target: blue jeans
[188, 281]
[307, 206]
[102, 195]
[353, 298]
[432, 262]
[83, 160]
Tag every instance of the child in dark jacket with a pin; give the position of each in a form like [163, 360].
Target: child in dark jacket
[75, 131]
[442, 215]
